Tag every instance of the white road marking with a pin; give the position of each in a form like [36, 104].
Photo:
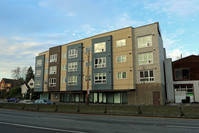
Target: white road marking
[189, 127]
[43, 128]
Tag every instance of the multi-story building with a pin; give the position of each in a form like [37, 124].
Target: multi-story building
[126, 67]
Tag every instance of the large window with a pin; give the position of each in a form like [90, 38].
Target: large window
[120, 43]
[100, 78]
[145, 58]
[53, 70]
[100, 47]
[72, 80]
[52, 82]
[145, 41]
[38, 73]
[73, 53]
[146, 76]
[63, 67]
[121, 75]
[63, 80]
[64, 55]
[86, 77]
[38, 84]
[53, 58]
[39, 62]
[90, 63]
[121, 58]
[100, 62]
[72, 66]
[182, 74]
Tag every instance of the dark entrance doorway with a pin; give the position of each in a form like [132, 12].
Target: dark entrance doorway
[156, 98]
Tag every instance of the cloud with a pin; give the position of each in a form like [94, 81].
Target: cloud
[178, 7]
[177, 53]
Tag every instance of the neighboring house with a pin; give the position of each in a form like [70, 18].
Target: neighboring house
[126, 67]
[26, 87]
[185, 79]
[7, 84]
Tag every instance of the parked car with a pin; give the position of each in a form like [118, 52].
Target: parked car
[43, 101]
[12, 100]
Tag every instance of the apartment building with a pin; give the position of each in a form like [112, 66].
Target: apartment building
[126, 66]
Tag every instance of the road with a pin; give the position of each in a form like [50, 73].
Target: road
[13, 121]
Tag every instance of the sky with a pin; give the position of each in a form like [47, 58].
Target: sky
[29, 27]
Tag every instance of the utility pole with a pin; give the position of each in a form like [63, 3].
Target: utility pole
[87, 93]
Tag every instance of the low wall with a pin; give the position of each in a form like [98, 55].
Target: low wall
[67, 108]
[162, 111]
[123, 110]
[157, 111]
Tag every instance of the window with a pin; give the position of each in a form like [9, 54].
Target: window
[38, 84]
[87, 49]
[121, 58]
[72, 66]
[53, 70]
[89, 78]
[64, 55]
[182, 74]
[73, 53]
[53, 58]
[72, 80]
[90, 63]
[52, 82]
[146, 76]
[46, 71]
[100, 78]
[63, 80]
[120, 43]
[145, 41]
[38, 73]
[39, 62]
[100, 47]
[46, 60]
[121, 75]
[100, 62]
[145, 58]
[63, 67]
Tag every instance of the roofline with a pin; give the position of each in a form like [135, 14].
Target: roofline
[104, 33]
[98, 35]
[184, 57]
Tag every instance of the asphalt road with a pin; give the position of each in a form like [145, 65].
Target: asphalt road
[13, 121]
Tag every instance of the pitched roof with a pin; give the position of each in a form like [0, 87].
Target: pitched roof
[14, 82]
[188, 57]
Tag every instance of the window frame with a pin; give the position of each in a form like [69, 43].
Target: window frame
[52, 82]
[119, 43]
[39, 62]
[72, 53]
[72, 66]
[149, 61]
[99, 50]
[102, 63]
[53, 70]
[53, 58]
[73, 81]
[141, 38]
[121, 61]
[121, 75]
[144, 76]
[101, 80]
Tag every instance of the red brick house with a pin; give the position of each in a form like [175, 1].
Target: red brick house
[7, 84]
[186, 78]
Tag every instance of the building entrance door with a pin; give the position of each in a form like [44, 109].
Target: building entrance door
[156, 98]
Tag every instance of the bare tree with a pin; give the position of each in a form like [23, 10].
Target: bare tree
[16, 73]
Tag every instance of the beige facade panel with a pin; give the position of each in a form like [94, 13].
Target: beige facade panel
[46, 53]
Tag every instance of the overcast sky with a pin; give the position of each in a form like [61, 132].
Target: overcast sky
[28, 27]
